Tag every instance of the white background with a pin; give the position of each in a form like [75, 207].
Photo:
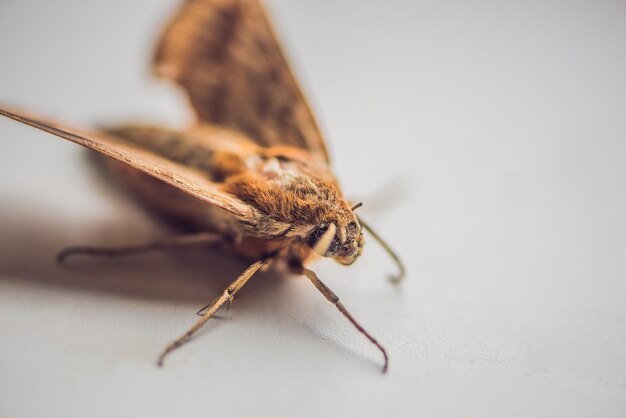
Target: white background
[487, 141]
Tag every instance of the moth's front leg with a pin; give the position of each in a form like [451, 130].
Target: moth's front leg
[217, 303]
[334, 299]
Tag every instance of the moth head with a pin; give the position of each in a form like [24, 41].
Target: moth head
[342, 243]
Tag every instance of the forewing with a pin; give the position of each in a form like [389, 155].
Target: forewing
[184, 178]
[227, 58]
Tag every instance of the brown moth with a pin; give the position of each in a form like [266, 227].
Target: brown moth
[253, 171]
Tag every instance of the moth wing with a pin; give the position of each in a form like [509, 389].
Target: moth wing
[225, 55]
[179, 176]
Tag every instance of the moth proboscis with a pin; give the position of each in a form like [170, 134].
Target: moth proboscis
[252, 172]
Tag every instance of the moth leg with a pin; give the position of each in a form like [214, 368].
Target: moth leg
[179, 241]
[334, 299]
[217, 303]
[402, 271]
[205, 307]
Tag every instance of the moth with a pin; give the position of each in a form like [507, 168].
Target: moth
[252, 172]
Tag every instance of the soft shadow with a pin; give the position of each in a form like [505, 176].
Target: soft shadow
[392, 193]
[30, 240]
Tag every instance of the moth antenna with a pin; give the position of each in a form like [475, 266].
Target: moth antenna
[228, 294]
[402, 271]
[334, 299]
[355, 207]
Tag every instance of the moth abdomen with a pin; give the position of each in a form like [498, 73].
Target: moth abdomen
[209, 150]
[167, 143]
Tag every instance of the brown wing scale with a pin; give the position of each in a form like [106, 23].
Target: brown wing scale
[187, 179]
[226, 57]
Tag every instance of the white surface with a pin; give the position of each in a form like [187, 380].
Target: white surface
[503, 127]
